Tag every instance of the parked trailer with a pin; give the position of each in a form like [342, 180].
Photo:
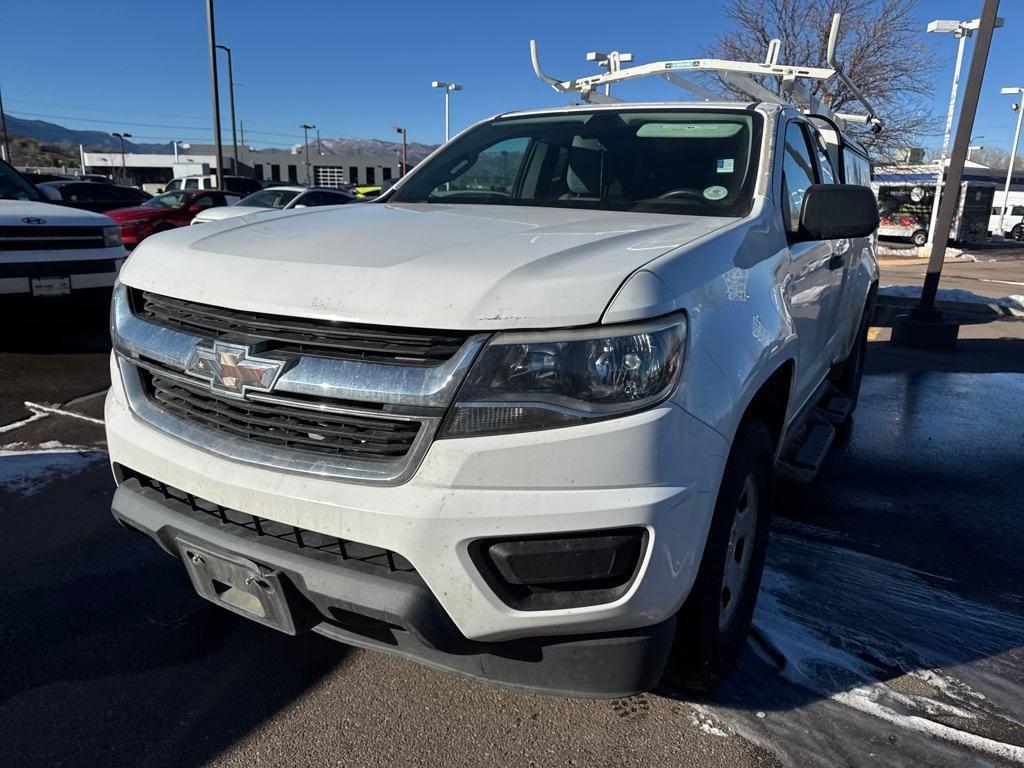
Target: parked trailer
[905, 209]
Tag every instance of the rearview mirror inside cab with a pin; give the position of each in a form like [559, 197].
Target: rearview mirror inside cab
[834, 211]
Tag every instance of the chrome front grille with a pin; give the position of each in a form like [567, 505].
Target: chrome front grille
[357, 419]
[49, 238]
[284, 424]
[292, 335]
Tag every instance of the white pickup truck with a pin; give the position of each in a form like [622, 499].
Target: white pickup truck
[520, 419]
[51, 251]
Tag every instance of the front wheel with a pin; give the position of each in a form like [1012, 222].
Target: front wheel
[920, 238]
[714, 622]
[1017, 233]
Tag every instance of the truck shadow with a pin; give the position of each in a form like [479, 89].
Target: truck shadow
[109, 656]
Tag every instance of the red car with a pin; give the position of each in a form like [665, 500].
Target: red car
[166, 211]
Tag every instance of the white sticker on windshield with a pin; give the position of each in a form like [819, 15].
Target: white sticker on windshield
[715, 193]
[725, 166]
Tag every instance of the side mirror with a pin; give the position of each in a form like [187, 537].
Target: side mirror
[836, 211]
[299, 205]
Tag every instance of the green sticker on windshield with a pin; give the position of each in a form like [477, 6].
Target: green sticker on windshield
[715, 193]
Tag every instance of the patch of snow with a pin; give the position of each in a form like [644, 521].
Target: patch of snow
[704, 720]
[1014, 302]
[27, 470]
[841, 623]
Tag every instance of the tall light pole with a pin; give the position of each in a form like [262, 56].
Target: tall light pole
[961, 30]
[124, 170]
[448, 88]
[975, 74]
[405, 149]
[306, 128]
[215, 89]
[231, 92]
[3, 130]
[179, 143]
[1016, 106]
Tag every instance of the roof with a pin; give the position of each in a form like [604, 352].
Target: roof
[731, 106]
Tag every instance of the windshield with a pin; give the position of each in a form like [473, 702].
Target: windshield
[168, 200]
[269, 198]
[668, 161]
[13, 187]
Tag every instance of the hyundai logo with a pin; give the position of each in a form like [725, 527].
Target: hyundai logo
[33, 220]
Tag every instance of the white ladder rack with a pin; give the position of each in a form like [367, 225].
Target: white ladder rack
[796, 90]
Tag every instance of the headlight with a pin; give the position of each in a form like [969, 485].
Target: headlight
[527, 381]
[111, 236]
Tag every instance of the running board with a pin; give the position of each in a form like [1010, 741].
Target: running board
[803, 458]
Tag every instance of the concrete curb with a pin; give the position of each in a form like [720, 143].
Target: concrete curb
[966, 307]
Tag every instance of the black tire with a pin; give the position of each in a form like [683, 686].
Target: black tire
[1017, 233]
[920, 237]
[708, 641]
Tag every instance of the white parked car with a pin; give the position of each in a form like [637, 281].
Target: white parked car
[280, 199]
[519, 419]
[49, 250]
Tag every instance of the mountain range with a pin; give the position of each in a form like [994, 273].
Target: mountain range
[52, 133]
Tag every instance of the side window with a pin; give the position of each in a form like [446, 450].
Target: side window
[825, 169]
[797, 175]
[206, 201]
[172, 185]
[856, 170]
[1017, 210]
[79, 193]
[191, 184]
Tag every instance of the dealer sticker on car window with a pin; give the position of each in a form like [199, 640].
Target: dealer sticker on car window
[715, 193]
[724, 165]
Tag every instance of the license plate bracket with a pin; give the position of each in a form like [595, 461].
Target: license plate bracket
[51, 286]
[240, 585]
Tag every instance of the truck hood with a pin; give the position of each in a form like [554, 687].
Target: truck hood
[459, 267]
[13, 211]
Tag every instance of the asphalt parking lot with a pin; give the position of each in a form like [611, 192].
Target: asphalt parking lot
[889, 631]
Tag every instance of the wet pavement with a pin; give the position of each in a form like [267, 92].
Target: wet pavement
[889, 631]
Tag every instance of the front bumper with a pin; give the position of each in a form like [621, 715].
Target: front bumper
[87, 269]
[657, 470]
[403, 616]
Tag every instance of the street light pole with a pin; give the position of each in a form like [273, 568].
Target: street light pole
[231, 92]
[405, 149]
[306, 128]
[3, 130]
[215, 89]
[124, 170]
[961, 30]
[986, 25]
[1016, 106]
[448, 88]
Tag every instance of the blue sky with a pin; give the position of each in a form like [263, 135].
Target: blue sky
[357, 68]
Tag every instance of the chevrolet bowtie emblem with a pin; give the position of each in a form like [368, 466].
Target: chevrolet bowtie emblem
[231, 369]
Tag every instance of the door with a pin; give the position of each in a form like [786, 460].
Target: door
[812, 290]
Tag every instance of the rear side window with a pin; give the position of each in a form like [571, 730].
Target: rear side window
[191, 184]
[797, 175]
[856, 169]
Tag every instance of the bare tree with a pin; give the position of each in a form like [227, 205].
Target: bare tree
[881, 47]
